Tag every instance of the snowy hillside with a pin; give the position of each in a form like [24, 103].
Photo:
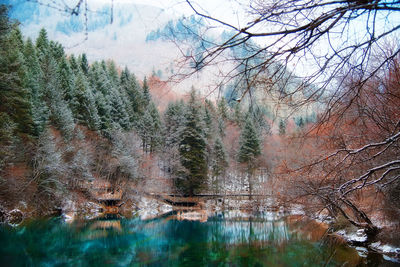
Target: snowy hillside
[123, 40]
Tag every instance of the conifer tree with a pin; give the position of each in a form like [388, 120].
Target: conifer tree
[84, 104]
[112, 73]
[42, 43]
[174, 122]
[193, 151]
[84, 64]
[61, 114]
[209, 120]
[150, 128]
[249, 150]
[250, 144]
[219, 164]
[74, 64]
[238, 117]
[223, 109]
[40, 111]
[131, 95]
[102, 87]
[14, 96]
[66, 79]
[56, 50]
[118, 110]
[146, 93]
[155, 137]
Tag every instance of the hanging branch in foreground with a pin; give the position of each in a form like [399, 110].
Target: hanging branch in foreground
[324, 42]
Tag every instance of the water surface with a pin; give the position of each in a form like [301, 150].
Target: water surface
[225, 239]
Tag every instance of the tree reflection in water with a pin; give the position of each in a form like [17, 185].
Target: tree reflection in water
[229, 238]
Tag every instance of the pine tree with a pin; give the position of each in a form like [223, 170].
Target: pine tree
[209, 120]
[219, 164]
[40, 111]
[174, 122]
[14, 96]
[131, 95]
[56, 50]
[84, 104]
[119, 114]
[223, 109]
[61, 114]
[42, 44]
[75, 67]
[192, 150]
[66, 79]
[238, 117]
[250, 144]
[84, 64]
[223, 115]
[249, 150]
[150, 128]
[112, 73]
[98, 80]
[146, 93]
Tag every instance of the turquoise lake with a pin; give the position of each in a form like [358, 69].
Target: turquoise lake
[225, 239]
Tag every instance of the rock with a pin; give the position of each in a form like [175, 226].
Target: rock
[362, 251]
[3, 214]
[360, 232]
[15, 216]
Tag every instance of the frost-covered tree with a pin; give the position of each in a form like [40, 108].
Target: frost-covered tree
[61, 114]
[48, 166]
[66, 79]
[219, 164]
[119, 114]
[40, 111]
[131, 91]
[149, 129]
[42, 43]
[174, 122]
[192, 151]
[14, 96]
[249, 149]
[84, 103]
[83, 62]
[146, 93]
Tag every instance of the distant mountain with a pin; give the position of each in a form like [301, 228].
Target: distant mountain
[144, 39]
[123, 39]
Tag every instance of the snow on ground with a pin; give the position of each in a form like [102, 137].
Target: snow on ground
[391, 253]
[150, 208]
[353, 237]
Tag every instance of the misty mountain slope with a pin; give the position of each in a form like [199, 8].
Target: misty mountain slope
[123, 40]
[148, 40]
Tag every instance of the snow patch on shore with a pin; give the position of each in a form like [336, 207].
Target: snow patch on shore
[354, 237]
[150, 208]
[391, 253]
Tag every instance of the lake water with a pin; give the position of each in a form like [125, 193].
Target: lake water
[225, 239]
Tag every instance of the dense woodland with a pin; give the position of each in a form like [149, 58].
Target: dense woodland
[65, 123]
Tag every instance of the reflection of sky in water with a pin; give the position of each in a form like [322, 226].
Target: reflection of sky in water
[224, 239]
